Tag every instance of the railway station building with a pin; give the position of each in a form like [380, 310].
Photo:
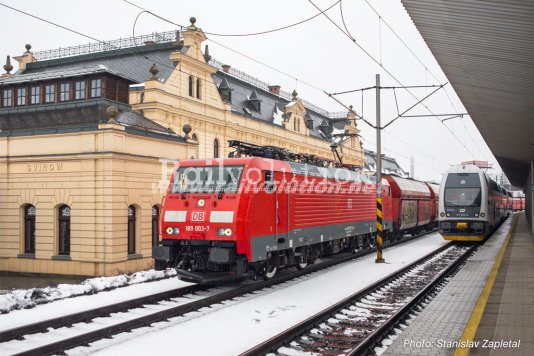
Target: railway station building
[89, 136]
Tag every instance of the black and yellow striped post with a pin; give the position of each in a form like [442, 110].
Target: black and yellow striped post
[379, 227]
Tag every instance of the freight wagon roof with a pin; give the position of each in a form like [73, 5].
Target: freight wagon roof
[408, 188]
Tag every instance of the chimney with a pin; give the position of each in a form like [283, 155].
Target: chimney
[275, 89]
[226, 68]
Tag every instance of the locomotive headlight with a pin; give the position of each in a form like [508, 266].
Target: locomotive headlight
[482, 214]
[476, 215]
[448, 214]
[201, 202]
[172, 230]
[442, 214]
[228, 232]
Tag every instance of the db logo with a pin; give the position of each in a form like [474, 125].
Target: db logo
[198, 216]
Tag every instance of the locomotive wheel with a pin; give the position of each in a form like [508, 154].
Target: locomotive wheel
[269, 271]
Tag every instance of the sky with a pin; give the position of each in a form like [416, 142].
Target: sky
[314, 57]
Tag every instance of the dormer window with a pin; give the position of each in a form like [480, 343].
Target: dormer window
[50, 93]
[21, 96]
[225, 91]
[254, 101]
[7, 101]
[79, 88]
[64, 91]
[35, 95]
[96, 88]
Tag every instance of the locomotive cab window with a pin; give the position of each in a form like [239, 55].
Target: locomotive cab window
[208, 179]
[462, 190]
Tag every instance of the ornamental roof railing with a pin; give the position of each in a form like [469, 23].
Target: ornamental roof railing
[102, 46]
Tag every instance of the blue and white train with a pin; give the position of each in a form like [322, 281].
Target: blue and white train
[470, 204]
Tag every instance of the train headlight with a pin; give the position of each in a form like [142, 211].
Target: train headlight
[476, 215]
[482, 214]
[228, 232]
[172, 230]
[448, 214]
[442, 214]
[201, 202]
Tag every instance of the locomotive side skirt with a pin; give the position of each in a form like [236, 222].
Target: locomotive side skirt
[261, 245]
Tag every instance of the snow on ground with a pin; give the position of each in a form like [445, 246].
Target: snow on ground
[235, 326]
[69, 298]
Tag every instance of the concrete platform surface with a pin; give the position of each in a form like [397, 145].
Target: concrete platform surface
[489, 310]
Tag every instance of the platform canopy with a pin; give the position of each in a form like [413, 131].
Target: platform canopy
[486, 50]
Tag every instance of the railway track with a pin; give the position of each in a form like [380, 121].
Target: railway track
[357, 324]
[74, 330]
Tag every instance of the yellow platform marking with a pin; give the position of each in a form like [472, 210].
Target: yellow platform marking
[472, 325]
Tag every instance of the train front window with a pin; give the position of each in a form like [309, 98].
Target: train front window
[464, 197]
[208, 179]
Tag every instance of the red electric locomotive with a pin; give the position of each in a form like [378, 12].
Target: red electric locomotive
[224, 218]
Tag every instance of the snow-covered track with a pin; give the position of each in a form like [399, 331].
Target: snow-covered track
[85, 337]
[87, 315]
[357, 324]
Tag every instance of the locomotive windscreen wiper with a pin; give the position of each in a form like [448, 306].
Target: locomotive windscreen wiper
[228, 180]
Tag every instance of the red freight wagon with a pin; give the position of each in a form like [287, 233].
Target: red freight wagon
[412, 204]
[434, 196]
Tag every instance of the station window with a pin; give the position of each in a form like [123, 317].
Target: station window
[7, 96]
[64, 230]
[29, 229]
[21, 96]
[35, 95]
[155, 225]
[50, 93]
[131, 229]
[198, 88]
[64, 92]
[79, 90]
[190, 85]
[96, 88]
[216, 148]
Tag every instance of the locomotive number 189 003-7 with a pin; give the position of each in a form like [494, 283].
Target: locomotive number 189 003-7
[198, 228]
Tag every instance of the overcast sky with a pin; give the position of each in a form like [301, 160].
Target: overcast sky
[312, 57]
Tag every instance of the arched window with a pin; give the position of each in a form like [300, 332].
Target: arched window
[64, 230]
[131, 229]
[190, 85]
[198, 88]
[194, 137]
[216, 148]
[155, 225]
[29, 229]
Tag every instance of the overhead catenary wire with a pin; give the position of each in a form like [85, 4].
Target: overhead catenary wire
[427, 69]
[388, 72]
